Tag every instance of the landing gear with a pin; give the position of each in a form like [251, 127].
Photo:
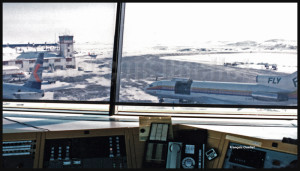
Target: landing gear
[186, 101]
[161, 100]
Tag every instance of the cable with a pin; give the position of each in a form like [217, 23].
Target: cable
[44, 129]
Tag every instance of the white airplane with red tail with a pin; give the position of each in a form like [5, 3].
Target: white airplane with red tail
[32, 87]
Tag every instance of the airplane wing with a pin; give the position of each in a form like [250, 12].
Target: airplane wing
[28, 95]
[56, 88]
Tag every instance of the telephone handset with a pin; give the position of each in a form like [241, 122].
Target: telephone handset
[174, 155]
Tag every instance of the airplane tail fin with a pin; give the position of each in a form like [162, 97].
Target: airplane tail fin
[35, 78]
[288, 82]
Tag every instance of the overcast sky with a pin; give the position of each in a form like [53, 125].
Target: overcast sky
[150, 23]
[43, 22]
[194, 22]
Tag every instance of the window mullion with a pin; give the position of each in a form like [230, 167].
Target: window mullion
[117, 56]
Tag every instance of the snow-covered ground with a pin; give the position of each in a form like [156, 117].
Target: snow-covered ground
[286, 62]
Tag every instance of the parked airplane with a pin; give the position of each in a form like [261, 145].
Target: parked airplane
[13, 73]
[32, 87]
[268, 90]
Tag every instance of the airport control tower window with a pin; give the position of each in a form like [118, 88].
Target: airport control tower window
[232, 53]
[74, 42]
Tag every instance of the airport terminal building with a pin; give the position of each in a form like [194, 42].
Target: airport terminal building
[61, 57]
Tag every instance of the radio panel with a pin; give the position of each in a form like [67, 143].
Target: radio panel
[18, 154]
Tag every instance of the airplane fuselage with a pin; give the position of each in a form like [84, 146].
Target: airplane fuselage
[17, 91]
[232, 93]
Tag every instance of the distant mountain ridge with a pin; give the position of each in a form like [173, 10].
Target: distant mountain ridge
[271, 44]
[243, 43]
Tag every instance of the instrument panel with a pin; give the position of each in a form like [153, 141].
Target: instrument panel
[121, 148]
[18, 154]
[91, 152]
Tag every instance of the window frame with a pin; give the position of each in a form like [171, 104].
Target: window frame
[17, 104]
[115, 80]
[117, 103]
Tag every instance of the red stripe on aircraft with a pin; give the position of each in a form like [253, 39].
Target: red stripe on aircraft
[35, 73]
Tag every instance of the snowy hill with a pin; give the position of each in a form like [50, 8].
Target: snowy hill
[243, 43]
[271, 45]
[278, 44]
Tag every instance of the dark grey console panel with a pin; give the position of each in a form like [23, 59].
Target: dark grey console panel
[92, 152]
[246, 156]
